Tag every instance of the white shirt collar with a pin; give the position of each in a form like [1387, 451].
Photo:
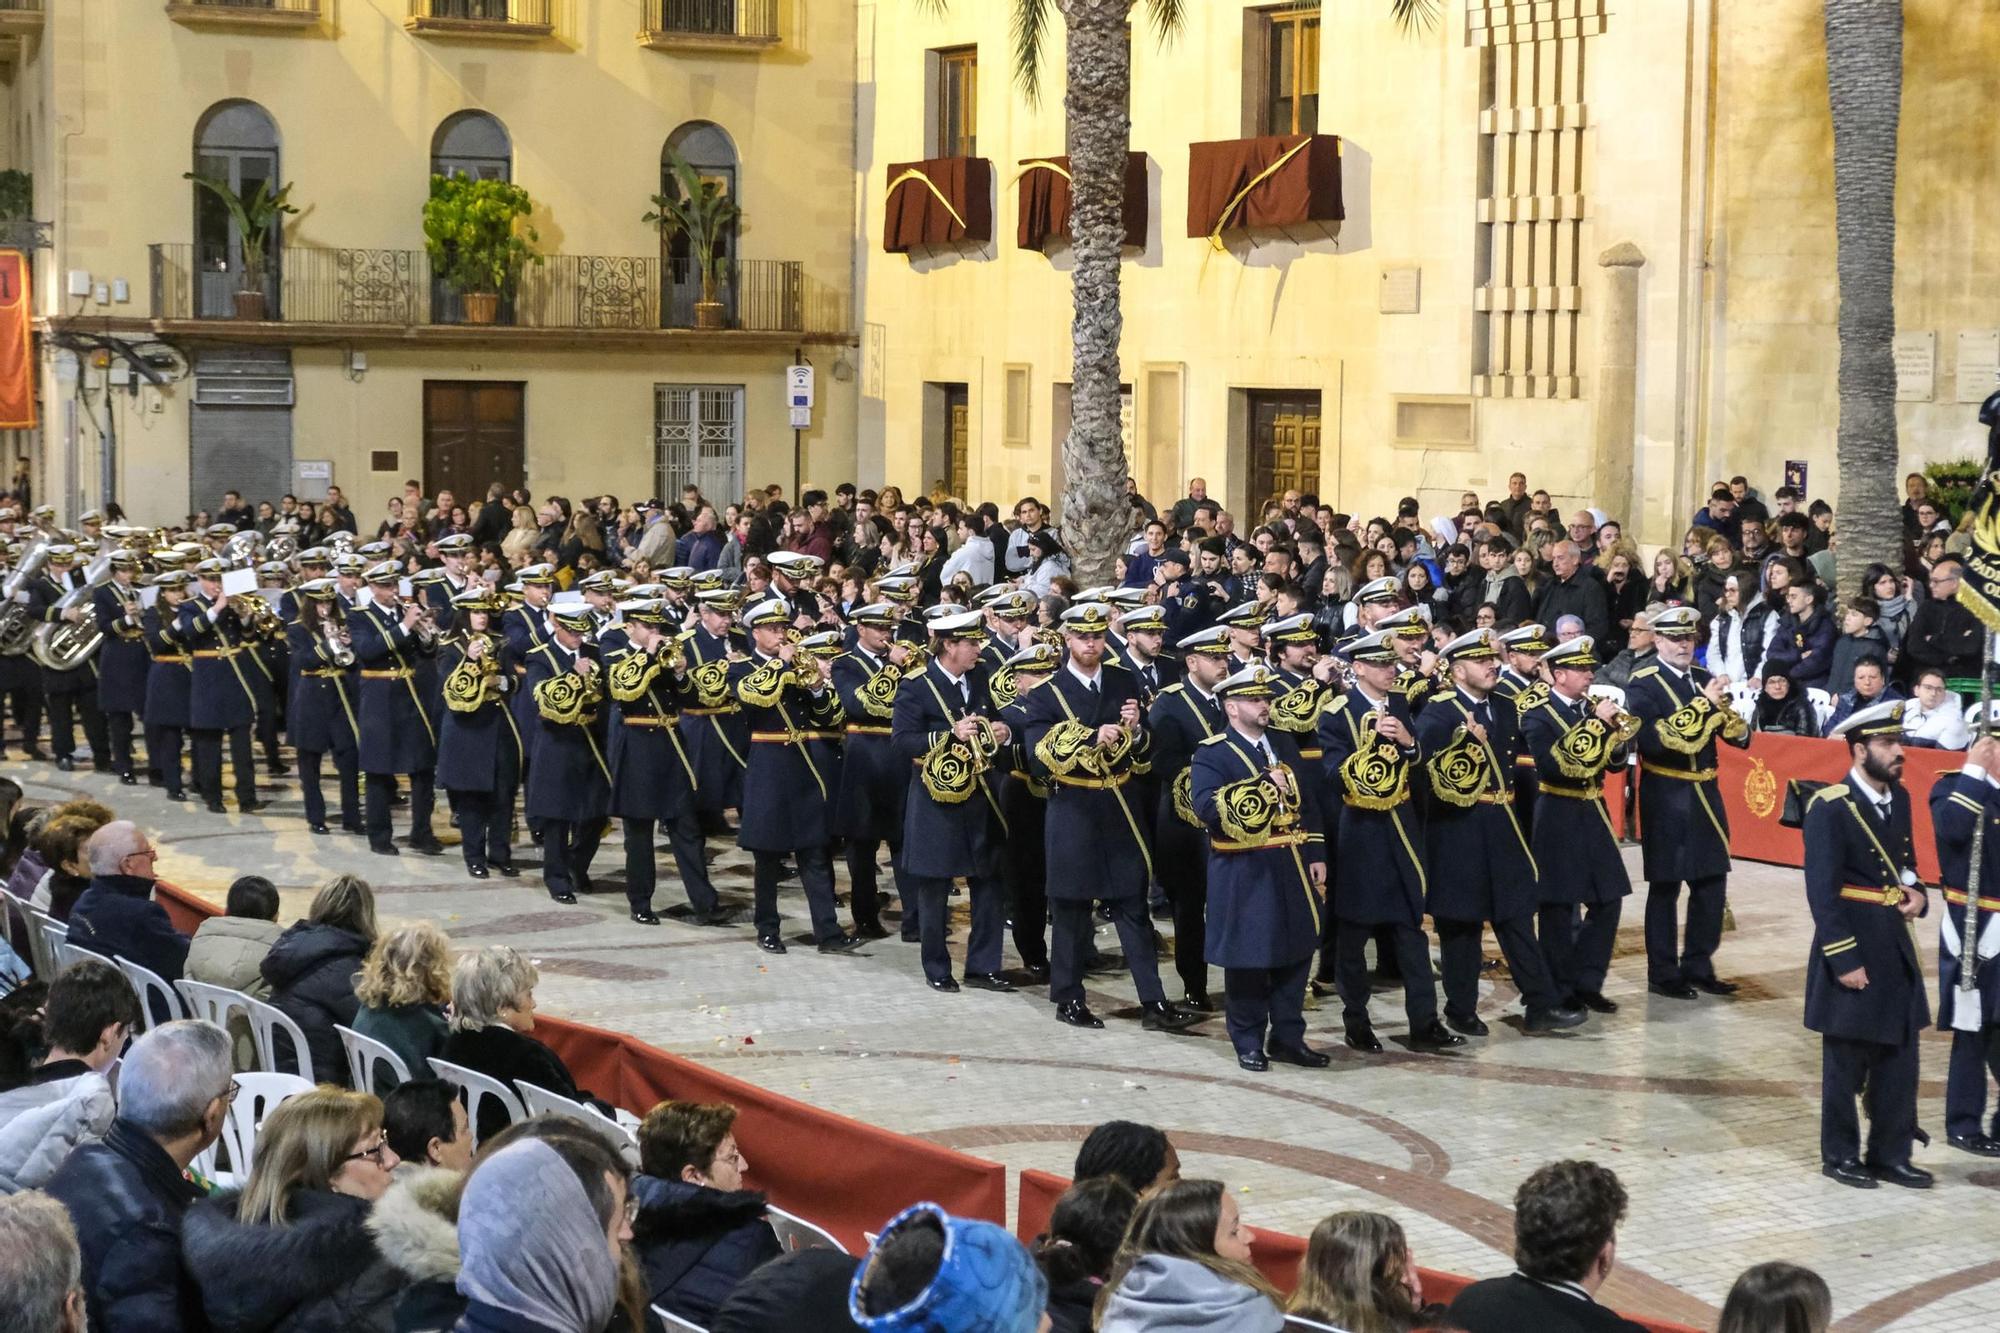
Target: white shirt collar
[1088, 680]
[1863, 788]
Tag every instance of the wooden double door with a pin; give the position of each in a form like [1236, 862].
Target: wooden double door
[475, 433]
[1284, 446]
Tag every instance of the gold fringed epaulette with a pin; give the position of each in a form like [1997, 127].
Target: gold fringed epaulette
[1459, 772]
[632, 675]
[1377, 777]
[565, 698]
[765, 685]
[465, 687]
[1064, 747]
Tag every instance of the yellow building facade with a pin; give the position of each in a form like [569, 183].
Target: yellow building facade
[363, 370]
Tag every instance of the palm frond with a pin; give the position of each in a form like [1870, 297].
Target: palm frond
[1031, 22]
[937, 7]
[1169, 19]
[1415, 16]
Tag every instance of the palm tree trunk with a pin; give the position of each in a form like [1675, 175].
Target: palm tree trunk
[1094, 509]
[1864, 79]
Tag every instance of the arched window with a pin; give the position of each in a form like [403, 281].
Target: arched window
[236, 146]
[707, 148]
[474, 143]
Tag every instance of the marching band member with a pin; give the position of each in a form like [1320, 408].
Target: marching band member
[1024, 805]
[398, 737]
[1145, 635]
[220, 701]
[71, 693]
[874, 779]
[323, 718]
[1183, 715]
[169, 683]
[1958, 803]
[122, 661]
[568, 781]
[712, 723]
[479, 745]
[1523, 684]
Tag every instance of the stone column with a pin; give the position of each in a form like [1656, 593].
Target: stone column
[1615, 434]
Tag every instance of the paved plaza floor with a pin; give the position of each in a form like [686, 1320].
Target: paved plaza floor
[1707, 1110]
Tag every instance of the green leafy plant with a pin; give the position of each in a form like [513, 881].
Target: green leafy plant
[477, 235]
[254, 216]
[1951, 486]
[17, 194]
[703, 212]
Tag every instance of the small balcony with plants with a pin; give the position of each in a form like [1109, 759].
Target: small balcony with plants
[247, 15]
[710, 25]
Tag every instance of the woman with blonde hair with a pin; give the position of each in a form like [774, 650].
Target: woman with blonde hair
[293, 1249]
[1185, 1264]
[1358, 1275]
[492, 1013]
[311, 969]
[517, 548]
[405, 985]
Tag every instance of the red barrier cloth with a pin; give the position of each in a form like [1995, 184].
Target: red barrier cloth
[17, 344]
[1753, 792]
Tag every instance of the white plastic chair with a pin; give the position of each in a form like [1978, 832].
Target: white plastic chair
[364, 1054]
[212, 1004]
[795, 1233]
[477, 1087]
[257, 1096]
[267, 1019]
[69, 955]
[1611, 692]
[150, 984]
[40, 956]
[1822, 703]
[54, 936]
[1974, 713]
[674, 1321]
[1300, 1324]
[540, 1101]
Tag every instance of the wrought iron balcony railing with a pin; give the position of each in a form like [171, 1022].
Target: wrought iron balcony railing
[674, 24]
[528, 19]
[246, 13]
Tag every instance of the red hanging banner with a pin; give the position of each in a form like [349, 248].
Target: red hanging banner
[17, 344]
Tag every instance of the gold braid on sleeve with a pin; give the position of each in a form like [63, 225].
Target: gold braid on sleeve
[1377, 777]
[563, 699]
[1691, 726]
[765, 685]
[1584, 750]
[878, 693]
[1459, 771]
[465, 687]
[1063, 747]
[1247, 809]
[632, 675]
[1298, 710]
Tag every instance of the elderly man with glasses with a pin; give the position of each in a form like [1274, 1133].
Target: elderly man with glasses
[116, 916]
[1944, 633]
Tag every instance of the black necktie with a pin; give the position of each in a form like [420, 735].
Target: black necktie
[1481, 715]
[964, 694]
[1090, 685]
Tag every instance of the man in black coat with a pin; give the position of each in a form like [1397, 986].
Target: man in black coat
[221, 703]
[1943, 633]
[1574, 591]
[116, 916]
[71, 694]
[1184, 715]
[569, 783]
[652, 777]
[1566, 1218]
[1864, 982]
[874, 779]
[122, 662]
[398, 736]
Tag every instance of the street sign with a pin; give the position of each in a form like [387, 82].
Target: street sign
[799, 386]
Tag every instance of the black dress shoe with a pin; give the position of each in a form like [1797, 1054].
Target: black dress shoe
[215, 808]
[507, 868]
[1909, 1177]
[177, 796]
[992, 981]
[428, 847]
[1036, 971]
[1673, 990]
[714, 916]
[1979, 1145]
[1302, 1055]
[36, 753]
[1363, 1039]
[841, 943]
[384, 849]
[1197, 1002]
[1077, 1014]
[771, 944]
[944, 984]
[127, 780]
[66, 764]
[645, 917]
[565, 897]
[1322, 990]
[321, 829]
[871, 930]
[1254, 1061]
[1849, 1172]
[250, 807]
[478, 872]
[1595, 1002]
[1714, 986]
[277, 771]
[358, 830]
[1159, 1016]
[1554, 1020]
[1471, 1024]
[909, 937]
[100, 765]
[1436, 1036]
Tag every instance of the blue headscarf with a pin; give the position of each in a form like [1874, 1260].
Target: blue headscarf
[985, 1282]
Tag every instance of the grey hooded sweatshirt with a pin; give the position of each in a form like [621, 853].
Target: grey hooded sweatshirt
[1161, 1294]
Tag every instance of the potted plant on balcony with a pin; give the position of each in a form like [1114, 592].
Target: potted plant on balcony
[702, 211]
[478, 238]
[253, 217]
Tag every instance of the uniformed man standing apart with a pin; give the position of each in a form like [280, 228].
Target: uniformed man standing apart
[479, 747]
[1266, 874]
[652, 778]
[1573, 739]
[169, 683]
[398, 736]
[1184, 715]
[1371, 754]
[71, 695]
[122, 660]
[945, 735]
[220, 702]
[1477, 859]
[1971, 1016]
[1085, 736]
[1683, 829]
[569, 783]
[1864, 985]
[874, 779]
[789, 703]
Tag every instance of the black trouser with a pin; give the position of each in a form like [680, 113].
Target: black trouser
[1973, 1055]
[1257, 1000]
[65, 709]
[267, 736]
[1412, 951]
[1459, 951]
[1885, 1078]
[484, 820]
[1186, 880]
[567, 850]
[1578, 952]
[381, 786]
[1024, 867]
[163, 756]
[1694, 961]
[26, 702]
[1071, 947]
[345, 766]
[684, 836]
[118, 727]
[989, 914]
[863, 880]
[208, 764]
[815, 875]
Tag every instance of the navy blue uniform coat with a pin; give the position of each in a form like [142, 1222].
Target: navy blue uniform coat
[1683, 827]
[1379, 874]
[1263, 911]
[398, 735]
[1850, 847]
[122, 662]
[1096, 846]
[789, 787]
[1572, 838]
[942, 841]
[1476, 855]
[219, 697]
[1958, 802]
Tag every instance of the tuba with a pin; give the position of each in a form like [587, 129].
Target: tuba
[61, 645]
[16, 630]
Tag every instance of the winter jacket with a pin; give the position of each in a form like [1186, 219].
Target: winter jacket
[697, 1243]
[311, 970]
[1813, 639]
[126, 1198]
[414, 1031]
[1851, 648]
[58, 892]
[1618, 671]
[1849, 703]
[1792, 716]
[498, 1051]
[42, 1123]
[1943, 634]
[1758, 619]
[1161, 1294]
[1071, 1305]
[415, 1226]
[806, 1289]
[1510, 597]
[229, 951]
[117, 917]
[1580, 595]
[318, 1272]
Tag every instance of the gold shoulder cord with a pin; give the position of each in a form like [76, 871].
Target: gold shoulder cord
[1078, 748]
[1253, 810]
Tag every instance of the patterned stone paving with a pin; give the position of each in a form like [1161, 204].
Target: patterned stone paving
[1707, 1110]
